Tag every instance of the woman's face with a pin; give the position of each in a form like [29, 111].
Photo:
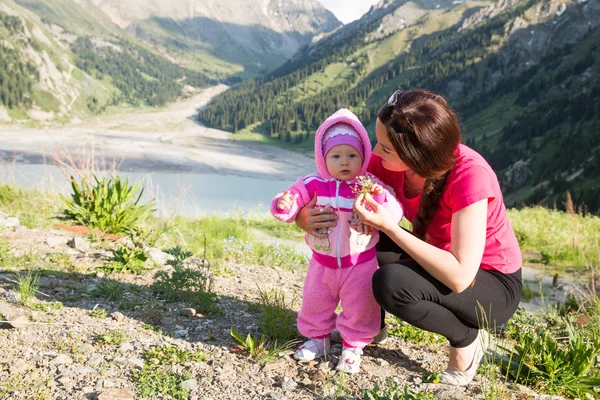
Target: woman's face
[386, 151]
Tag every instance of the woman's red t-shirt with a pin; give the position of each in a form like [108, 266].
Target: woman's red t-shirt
[471, 180]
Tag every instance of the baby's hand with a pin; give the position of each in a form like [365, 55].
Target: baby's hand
[286, 200]
[376, 189]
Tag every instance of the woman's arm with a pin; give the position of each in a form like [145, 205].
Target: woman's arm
[455, 268]
[310, 218]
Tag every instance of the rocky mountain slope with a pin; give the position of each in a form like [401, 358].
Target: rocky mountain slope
[249, 37]
[523, 74]
[64, 60]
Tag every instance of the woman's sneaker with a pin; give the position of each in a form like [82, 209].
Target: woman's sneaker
[315, 348]
[349, 360]
[380, 338]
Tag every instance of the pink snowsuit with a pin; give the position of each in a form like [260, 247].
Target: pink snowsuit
[344, 262]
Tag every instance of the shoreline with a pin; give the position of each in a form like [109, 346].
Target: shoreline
[163, 140]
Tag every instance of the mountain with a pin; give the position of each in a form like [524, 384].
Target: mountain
[523, 75]
[247, 37]
[68, 59]
[59, 62]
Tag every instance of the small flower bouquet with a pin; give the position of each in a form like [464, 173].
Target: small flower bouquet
[364, 185]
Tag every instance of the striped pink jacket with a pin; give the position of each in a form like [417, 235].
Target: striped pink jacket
[350, 242]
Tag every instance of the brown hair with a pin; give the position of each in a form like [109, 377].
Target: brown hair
[425, 133]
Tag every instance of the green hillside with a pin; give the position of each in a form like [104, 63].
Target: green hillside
[541, 113]
[57, 62]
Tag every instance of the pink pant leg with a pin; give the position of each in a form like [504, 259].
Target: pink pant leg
[359, 321]
[316, 318]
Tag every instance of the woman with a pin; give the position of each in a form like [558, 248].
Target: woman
[460, 269]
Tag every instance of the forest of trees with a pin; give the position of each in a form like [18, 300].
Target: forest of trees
[438, 59]
[16, 77]
[142, 77]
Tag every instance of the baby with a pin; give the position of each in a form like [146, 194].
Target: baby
[344, 257]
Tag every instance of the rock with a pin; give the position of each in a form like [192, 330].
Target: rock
[159, 257]
[319, 376]
[95, 360]
[87, 389]
[125, 347]
[381, 362]
[181, 332]
[11, 222]
[86, 348]
[68, 383]
[80, 244]
[14, 298]
[56, 241]
[117, 316]
[62, 359]
[190, 384]
[18, 366]
[115, 394]
[135, 362]
[46, 282]
[78, 371]
[18, 321]
[187, 312]
[277, 364]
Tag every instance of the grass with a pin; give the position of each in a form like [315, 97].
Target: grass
[27, 286]
[562, 238]
[276, 320]
[33, 208]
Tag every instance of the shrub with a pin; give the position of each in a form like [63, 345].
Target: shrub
[128, 257]
[190, 282]
[110, 205]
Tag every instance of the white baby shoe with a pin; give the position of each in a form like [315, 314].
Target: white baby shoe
[314, 348]
[350, 360]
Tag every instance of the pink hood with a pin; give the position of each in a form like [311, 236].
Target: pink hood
[347, 117]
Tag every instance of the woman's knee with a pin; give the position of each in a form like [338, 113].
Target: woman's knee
[391, 286]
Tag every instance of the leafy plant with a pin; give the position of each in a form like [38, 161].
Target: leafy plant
[191, 283]
[152, 381]
[46, 306]
[172, 355]
[433, 377]
[260, 348]
[98, 312]
[111, 204]
[557, 368]
[114, 337]
[179, 256]
[393, 391]
[128, 258]
[255, 347]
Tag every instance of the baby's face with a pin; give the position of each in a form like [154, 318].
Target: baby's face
[343, 162]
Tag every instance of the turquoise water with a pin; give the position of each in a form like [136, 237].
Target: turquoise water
[185, 193]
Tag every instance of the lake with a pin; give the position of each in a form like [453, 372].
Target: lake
[185, 193]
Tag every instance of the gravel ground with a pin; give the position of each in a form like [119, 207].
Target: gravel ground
[57, 354]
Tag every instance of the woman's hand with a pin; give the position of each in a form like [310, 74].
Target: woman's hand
[371, 213]
[311, 218]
